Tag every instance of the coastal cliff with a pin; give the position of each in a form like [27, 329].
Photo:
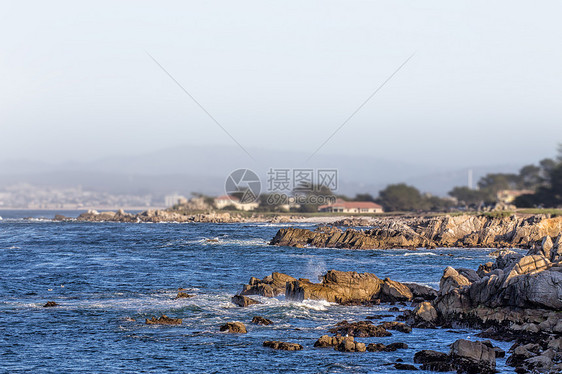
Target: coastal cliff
[467, 231]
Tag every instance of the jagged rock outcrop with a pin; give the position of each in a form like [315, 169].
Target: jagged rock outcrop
[419, 291]
[337, 286]
[349, 288]
[393, 291]
[464, 357]
[483, 231]
[517, 297]
[424, 315]
[514, 281]
[270, 286]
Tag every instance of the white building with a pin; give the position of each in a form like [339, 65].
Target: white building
[342, 206]
[226, 200]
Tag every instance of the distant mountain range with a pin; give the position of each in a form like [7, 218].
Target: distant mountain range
[204, 169]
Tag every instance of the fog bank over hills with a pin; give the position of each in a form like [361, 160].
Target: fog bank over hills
[204, 169]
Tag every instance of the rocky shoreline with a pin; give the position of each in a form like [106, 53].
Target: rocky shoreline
[158, 215]
[446, 231]
[463, 231]
[516, 298]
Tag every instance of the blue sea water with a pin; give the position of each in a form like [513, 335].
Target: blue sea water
[108, 277]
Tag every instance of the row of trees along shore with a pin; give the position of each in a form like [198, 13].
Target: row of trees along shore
[543, 181]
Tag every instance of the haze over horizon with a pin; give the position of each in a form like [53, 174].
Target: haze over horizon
[483, 86]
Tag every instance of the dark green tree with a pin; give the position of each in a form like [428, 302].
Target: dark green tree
[530, 177]
[467, 196]
[549, 192]
[492, 183]
[401, 197]
[272, 202]
[311, 196]
[363, 197]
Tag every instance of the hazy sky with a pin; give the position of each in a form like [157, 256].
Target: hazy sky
[485, 84]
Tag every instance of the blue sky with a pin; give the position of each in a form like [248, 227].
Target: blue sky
[483, 87]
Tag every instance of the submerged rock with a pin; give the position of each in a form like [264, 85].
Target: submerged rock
[401, 366]
[379, 347]
[163, 320]
[243, 301]
[183, 295]
[257, 320]
[50, 304]
[433, 361]
[234, 327]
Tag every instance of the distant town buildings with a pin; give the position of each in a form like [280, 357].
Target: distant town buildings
[27, 196]
[171, 200]
[342, 206]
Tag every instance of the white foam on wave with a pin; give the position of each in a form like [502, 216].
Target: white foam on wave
[243, 242]
[420, 254]
[318, 305]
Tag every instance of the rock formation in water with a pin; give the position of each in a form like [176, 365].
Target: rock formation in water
[243, 301]
[156, 215]
[517, 297]
[469, 231]
[464, 357]
[234, 328]
[261, 321]
[170, 215]
[341, 287]
[270, 286]
[284, 346]
[163, 320]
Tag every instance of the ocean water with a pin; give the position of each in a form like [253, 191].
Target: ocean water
[109, 277]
